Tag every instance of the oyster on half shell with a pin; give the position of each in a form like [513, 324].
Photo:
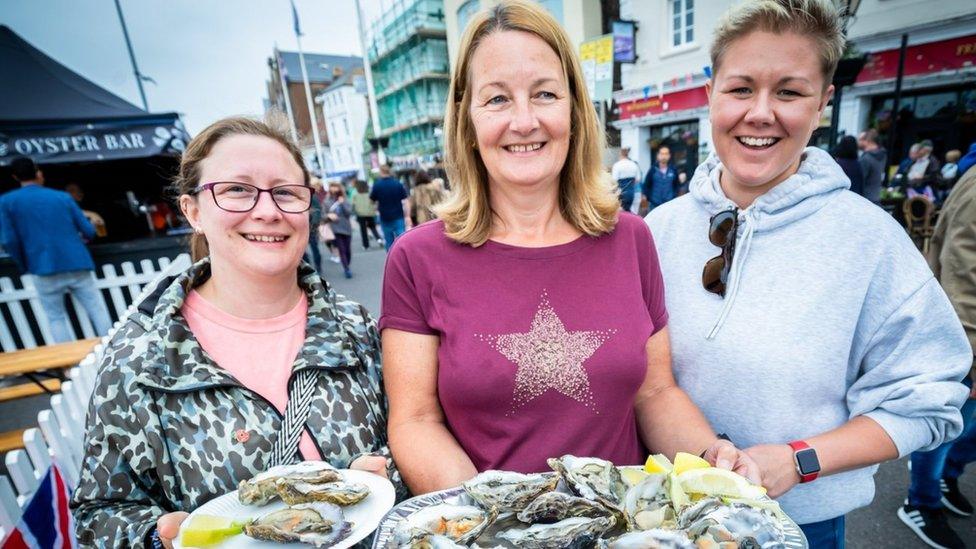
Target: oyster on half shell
[262, 488]
[711, 522]
[460, 523]
[571, 533]
[319, 524]
[340, 493]
[508, 491]
[557, 506]
[649, 539]
[648, 505]
[591, 478]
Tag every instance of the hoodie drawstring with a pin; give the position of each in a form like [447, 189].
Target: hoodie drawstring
[738, 263]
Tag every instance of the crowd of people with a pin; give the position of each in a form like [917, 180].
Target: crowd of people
[762, 315]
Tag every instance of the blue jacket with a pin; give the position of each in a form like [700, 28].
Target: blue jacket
[40, 228]
[660, 188]
[967, 161]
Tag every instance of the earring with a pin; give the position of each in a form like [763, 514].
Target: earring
[197, 230]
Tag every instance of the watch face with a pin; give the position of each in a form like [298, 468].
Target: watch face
[807, 462]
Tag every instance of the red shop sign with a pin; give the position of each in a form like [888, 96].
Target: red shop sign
[675, 101]
[956, 53]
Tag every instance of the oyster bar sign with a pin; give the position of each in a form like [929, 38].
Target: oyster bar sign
[88, 142]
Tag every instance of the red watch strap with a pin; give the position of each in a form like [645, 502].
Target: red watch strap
[797, 446]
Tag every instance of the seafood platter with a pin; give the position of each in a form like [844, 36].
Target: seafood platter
[589, 502]
[305, 504]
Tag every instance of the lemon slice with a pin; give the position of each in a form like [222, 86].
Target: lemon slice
[687, 462]
[658, 463]
[632, 475]
[679, 499]
[719, 482]
[207, 530]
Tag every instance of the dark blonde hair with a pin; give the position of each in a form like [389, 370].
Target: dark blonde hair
[587, 198]
[274, 127]
[815, 19]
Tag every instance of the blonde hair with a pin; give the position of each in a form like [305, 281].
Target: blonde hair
[274, 127]
[587, 198]
[815, 19]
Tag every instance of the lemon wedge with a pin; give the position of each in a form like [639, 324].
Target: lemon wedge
[207, 530]
[632, 475]
[679, 499]
[658, 463]
[687, 462]
[712, 481]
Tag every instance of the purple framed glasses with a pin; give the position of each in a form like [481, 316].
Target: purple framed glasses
[242, 197]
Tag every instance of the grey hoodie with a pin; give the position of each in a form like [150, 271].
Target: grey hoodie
[830, 313]
[873, 164]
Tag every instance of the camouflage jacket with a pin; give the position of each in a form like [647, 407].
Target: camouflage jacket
[165, 422]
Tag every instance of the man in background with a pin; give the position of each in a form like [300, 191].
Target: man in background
[874, 161]
[626, 173]
[392, 198]
[42, 231]
[661, 182]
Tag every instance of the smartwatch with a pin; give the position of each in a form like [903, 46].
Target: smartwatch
[805, 458]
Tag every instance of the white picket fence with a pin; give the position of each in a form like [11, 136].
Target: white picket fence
[60, 431]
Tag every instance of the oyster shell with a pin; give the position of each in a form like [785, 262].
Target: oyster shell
[649, 539]
[647, 505]
[591, 478]
[574, 532]
[340, 493]
[319, 524]
[432, 542]
[556, 506]
[261, 489]
[508, 491]
[711, 522]
[460, 523]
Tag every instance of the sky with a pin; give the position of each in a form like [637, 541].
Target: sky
[208, 57]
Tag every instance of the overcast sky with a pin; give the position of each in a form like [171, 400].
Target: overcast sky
[207, 56]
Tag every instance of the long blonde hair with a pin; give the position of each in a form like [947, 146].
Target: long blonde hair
[587, 197]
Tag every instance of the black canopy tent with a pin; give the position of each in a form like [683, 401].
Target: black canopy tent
[78, 132]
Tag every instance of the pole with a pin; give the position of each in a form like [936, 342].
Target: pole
[834, 117]
[894, 109]
[311, 108]
[280, 65]
[370, 92]
[132, 56]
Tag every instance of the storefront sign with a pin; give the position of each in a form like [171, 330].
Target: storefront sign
[933, 57]
[676, 101]
[596, 57]
[623, 42]
[93, 142]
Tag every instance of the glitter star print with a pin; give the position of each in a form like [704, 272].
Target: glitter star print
[549, 357]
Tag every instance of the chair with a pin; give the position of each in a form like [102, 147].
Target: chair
[919, 213]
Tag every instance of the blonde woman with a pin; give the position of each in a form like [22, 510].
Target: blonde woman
[528, 321]
[805, 323]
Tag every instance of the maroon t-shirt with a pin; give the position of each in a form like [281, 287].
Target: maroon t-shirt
[541, 349]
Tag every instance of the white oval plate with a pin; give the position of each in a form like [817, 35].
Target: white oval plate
[365, 515]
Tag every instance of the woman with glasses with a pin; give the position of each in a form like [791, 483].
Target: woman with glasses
[528, 321]
[245, 361]
[804, 323]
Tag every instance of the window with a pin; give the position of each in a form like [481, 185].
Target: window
[682, 22]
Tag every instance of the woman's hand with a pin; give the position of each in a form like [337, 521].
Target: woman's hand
[724, 455]
[370, 464]
[776, 466]
[168, 527]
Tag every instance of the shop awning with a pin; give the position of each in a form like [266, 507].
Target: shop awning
[55, 115]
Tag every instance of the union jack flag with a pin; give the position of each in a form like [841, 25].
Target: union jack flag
[46, 522]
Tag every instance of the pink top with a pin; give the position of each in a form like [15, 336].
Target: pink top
[257, 352]
[541, 349]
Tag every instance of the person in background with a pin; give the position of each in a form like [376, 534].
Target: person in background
[42, 230]
[339, 215]
[394, 205]
[923, 175]
[804, 322]
[626, 173]
[950, 170]
[906, 163]
[245, 361]
[661, 181]
[874, 163]
[365, 210]
[968, 161]
[935, 474]
[426, 194]
[314, 220]
[78, 194]
[845, 154]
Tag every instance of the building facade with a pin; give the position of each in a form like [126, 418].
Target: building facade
[346, 116]
[285, 72]
[408, 57]
[663, 100]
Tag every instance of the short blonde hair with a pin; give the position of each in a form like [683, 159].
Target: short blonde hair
[587, 198]
[816, 19]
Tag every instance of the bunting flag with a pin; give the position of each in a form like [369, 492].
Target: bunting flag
[46, 522]
[294, 16]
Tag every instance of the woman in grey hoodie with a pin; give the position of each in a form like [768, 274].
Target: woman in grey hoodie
[816, 336]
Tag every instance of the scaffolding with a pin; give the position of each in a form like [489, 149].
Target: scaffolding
[409, 59]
